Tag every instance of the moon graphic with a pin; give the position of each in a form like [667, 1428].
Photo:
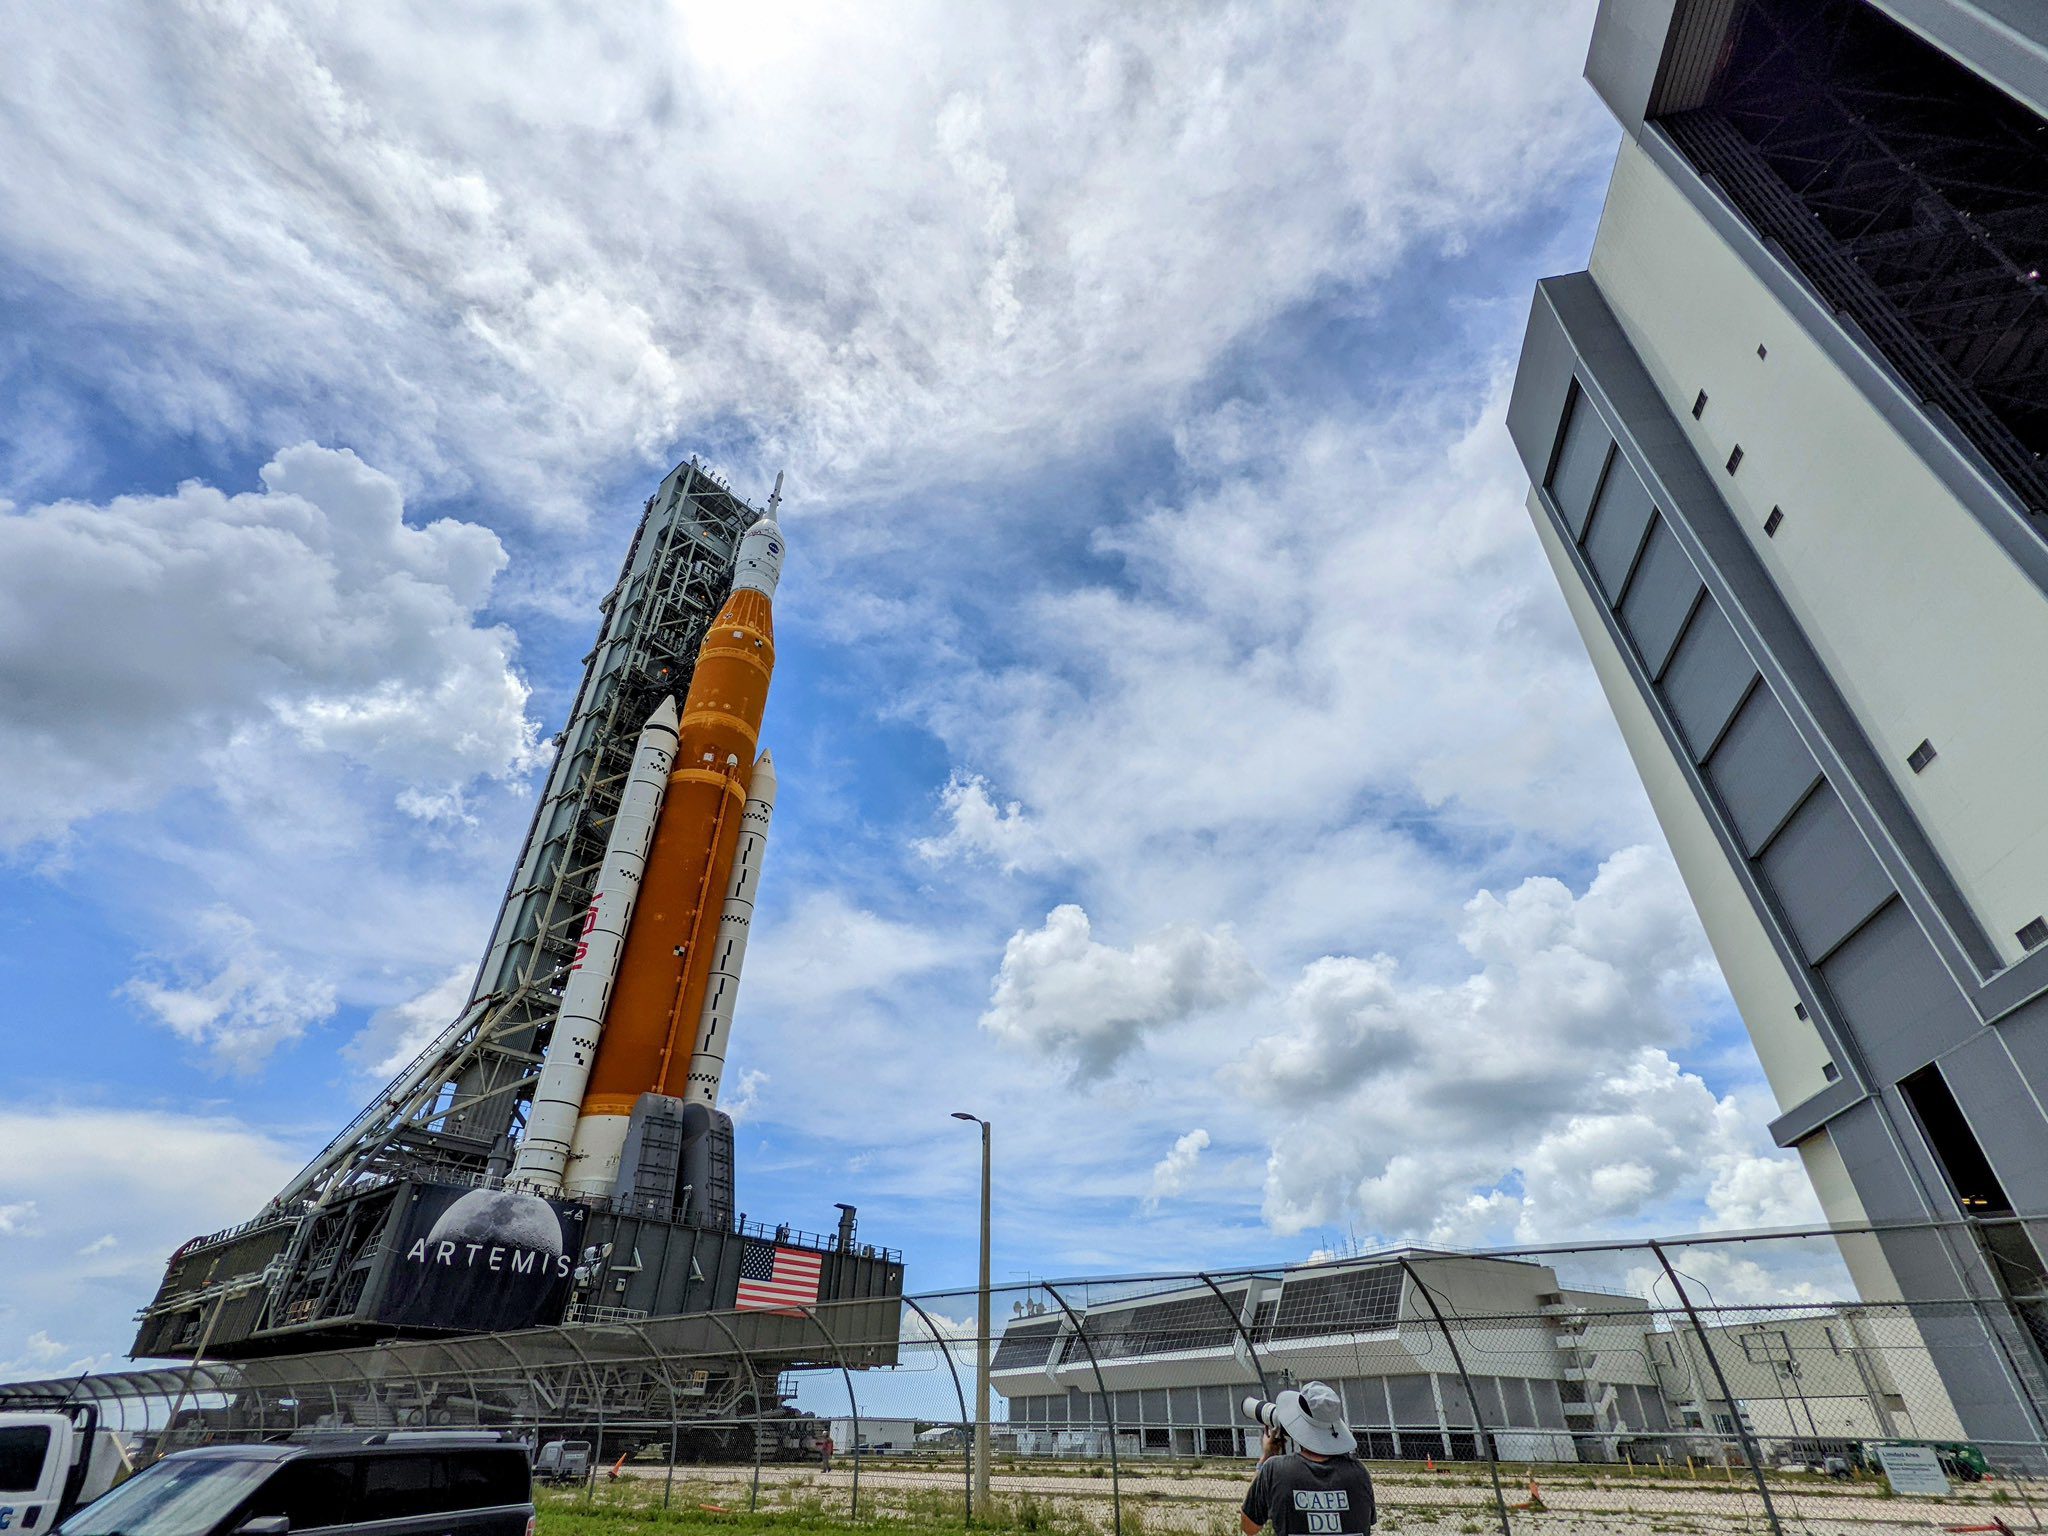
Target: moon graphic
[509, 1217]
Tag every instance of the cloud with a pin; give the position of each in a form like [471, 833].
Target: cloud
[1534, 1098]
[1062, 993]
[954, 240]
[1171, 1173]
[39, 1354]
[155, 642]
[395, 1035]
[978, 828]
[824, 951]
[168, 1175]
[240, 1003]
[739, 1101]
[18, 1219]
[1308, 725]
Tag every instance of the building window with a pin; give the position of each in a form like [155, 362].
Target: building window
[1771, 523]
[1921, 756]
[1761, 352]
[1831, 1072]
[2035, 934]
[1735, 459]
[1699, 405]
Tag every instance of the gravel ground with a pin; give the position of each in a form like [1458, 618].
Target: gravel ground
[1576, 1501]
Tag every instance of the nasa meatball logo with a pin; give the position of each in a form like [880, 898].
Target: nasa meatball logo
[503, 1230]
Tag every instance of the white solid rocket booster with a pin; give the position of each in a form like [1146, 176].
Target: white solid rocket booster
[558, 1097]
[735, 921]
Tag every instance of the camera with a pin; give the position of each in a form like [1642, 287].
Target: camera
[1262, 1412]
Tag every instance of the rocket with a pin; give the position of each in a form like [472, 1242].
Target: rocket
[558, 1097]
[666, 1020]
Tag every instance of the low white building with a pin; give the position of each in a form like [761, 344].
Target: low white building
[1560, 1373]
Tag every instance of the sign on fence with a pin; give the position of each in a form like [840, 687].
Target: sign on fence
[1913, 1469]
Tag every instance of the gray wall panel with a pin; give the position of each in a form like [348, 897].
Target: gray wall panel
[1761, 769]
[1888, 1195]
[1708, 675]
[1825, 876]
[1581, 457]
[1660, 598]
[2026, 1035]
[2003, 1113]
[1620, 518]
[1903, 1007]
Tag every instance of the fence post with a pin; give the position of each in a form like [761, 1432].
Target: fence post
[1749, 1449]
[1500, 1502]
[958, 1392]
[592, 1375]
[754, 1385]
[852, 1404]
[1237, 1320]
[1116, 1474]
[660, 1363]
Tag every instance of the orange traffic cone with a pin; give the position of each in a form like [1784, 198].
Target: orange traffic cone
[1429, 1463]
[1534, 1502]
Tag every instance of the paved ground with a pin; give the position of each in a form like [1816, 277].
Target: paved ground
[1576, 1502]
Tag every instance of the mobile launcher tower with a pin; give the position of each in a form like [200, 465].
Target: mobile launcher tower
[557, 1155]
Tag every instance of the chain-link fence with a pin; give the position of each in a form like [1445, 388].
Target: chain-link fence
[1779, 1382]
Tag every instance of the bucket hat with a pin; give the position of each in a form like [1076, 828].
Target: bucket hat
[1314, 1420]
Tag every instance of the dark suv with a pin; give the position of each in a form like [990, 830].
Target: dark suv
[394, 1485]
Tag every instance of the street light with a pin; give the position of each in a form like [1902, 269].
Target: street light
[981, 1332]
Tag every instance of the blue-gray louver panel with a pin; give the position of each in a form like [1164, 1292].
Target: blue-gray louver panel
[1451, 1393]
[1490, 1406]
[1413, 1402]
[1825, 875]
[1708, 675]
[1580, 458]
[1365, 1400]
[1761, 769]
[1619, 519]
[1660, 597]
[1902, 1006]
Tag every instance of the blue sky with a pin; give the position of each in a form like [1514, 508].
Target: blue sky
[1186, 758]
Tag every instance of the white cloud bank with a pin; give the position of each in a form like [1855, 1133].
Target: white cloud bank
[894, 251]
[68, 1290]
[1536, 1098]
[160, 642]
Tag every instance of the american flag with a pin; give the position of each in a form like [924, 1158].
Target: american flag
[776, 1279]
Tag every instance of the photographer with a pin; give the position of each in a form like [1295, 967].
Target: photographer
[1318, 1490]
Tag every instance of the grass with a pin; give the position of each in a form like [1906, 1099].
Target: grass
[635, 1509]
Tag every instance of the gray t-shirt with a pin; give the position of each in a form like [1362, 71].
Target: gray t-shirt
[1311, 1498]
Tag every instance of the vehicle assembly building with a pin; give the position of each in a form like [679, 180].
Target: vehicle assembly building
[557, 1155]
[1785, 437]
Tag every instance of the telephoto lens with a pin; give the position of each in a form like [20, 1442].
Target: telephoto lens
[1259, 1411]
